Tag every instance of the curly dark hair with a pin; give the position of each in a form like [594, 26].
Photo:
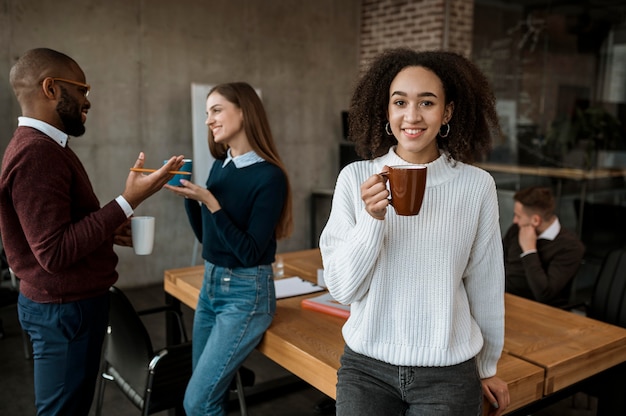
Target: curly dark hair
[474, 119]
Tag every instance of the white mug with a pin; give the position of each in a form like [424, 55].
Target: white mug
[142, 230]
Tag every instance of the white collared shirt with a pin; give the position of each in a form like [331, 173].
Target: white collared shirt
[61, 138]
[241, 161]
[47, 129]
[552, 231]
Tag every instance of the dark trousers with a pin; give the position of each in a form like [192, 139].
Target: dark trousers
[67, 343]
[370, 387]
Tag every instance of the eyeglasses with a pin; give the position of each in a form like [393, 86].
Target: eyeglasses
[85, 87]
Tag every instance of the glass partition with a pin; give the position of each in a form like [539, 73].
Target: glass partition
[558, 69]
[559, 72]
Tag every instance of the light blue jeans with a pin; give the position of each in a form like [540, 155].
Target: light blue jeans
[235, 307]
[370, 387]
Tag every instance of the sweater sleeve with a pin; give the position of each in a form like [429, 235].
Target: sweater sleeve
[70, 225]
[194, 214]
[484, 282]
[352, 239]
[563, 260]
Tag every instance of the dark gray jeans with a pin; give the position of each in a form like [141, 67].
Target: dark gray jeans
[370, 387]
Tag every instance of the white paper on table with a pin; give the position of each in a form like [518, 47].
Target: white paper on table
[294, 286]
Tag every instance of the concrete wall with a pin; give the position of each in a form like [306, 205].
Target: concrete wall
[140, 56]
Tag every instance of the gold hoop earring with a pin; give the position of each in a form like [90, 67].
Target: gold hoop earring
[387, 127]
[447, 131]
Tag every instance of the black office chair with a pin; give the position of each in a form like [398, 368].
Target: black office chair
[608, 304]
[153, 381]
[8, 295]
[8, 298]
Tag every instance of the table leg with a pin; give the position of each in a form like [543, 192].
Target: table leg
[611, 388]
[583, 196]
[173, 337]
[172, 332]
[313, 221]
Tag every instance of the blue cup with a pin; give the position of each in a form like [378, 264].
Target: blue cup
[187, 167]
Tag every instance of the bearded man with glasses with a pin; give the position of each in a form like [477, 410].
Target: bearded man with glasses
[57, 237]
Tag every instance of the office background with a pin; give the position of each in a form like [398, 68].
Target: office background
[141, 57]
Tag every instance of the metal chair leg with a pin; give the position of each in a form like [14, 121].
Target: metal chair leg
[27, 345]
[241, 395]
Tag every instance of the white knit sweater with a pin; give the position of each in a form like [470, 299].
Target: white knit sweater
[425, 290]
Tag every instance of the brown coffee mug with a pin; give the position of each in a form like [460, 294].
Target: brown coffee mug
[407, 184]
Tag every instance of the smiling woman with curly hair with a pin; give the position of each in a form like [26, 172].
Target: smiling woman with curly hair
[475, 119]
[426, 291]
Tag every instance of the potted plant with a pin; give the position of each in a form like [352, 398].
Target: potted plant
[588, 130]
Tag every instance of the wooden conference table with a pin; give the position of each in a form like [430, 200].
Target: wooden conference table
[553, 172]
[546, 349]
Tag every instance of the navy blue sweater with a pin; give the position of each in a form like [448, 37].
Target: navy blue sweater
[242, 233]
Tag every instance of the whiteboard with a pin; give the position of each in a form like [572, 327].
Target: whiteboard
[202, 159]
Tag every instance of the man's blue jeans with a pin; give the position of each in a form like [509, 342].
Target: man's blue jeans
[67, 343]
[234, 309]
[370, 387]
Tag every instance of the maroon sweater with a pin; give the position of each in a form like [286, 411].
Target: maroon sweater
[56, 237]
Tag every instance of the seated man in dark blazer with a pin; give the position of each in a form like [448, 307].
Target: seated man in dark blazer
[540, 257]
